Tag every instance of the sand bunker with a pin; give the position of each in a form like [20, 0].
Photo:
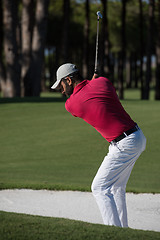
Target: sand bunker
[143, 209]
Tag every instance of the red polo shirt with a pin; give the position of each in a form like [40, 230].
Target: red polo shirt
[97, 103]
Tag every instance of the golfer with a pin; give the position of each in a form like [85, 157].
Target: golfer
[96, 102]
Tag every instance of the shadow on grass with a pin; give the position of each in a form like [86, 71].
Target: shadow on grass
[47, 99]
[32, 99]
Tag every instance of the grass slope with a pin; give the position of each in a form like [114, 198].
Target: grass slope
[24, 227]
[43, 146]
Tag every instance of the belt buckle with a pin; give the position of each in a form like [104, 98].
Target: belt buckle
[113, 142]
[125, 134]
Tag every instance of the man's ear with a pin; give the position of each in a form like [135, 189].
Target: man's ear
[69, 81]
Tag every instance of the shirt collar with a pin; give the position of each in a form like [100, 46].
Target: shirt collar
[80, 86]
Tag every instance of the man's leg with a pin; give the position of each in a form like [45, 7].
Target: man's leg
[101, 189]
[119, 188]
[109, 184]
[119, 194]
[108, 188]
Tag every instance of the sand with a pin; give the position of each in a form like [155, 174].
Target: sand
[143, 209]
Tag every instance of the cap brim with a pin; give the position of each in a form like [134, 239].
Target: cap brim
[55, 85]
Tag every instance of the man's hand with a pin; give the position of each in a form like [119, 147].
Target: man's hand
[95, 76]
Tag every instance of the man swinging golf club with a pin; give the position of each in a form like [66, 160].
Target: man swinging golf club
[96, 102]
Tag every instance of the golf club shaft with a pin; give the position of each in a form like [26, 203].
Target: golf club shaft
[96, 57]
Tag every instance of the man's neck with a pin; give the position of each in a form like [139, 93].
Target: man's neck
[76, 83]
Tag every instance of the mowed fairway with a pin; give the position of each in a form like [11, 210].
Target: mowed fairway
[43, 146]
[22, 227]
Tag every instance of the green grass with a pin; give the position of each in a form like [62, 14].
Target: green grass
[24, 227]
[43, 146]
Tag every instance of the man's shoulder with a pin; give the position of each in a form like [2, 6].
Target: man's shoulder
[100, 81]
[101, 78]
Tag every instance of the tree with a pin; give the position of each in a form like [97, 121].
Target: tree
[12, 84]
[86, 41]
[33, 80]
[122, 52]
[105, 61]
[149, 49]
[65, 30]
[2, 67]
[157, 93]
[27, 24]
[141, 47]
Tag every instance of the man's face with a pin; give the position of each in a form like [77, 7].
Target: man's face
[66, 87]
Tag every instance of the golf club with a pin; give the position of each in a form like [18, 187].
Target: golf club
[99, 15]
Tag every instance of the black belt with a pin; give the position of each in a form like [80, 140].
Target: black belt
[125, 134]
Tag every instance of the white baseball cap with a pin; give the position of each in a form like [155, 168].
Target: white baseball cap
[64, 71]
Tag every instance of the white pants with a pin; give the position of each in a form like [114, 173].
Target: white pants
[109, 184]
